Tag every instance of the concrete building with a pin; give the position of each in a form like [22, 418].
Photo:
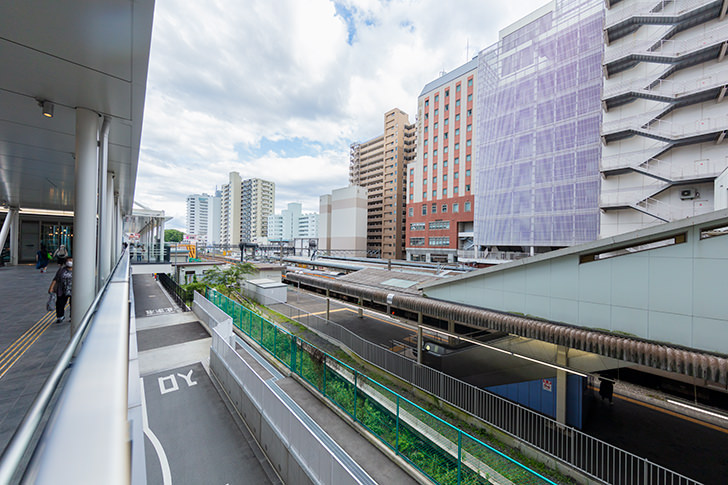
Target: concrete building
[538, 145]
[292, 224]
[258, 202]
[665, 116]
[230, 210]
[380, 165]
[343, 220]
[244, 209]
[440, 181]
[203, 217]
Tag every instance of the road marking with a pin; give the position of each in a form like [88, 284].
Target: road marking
[160, 311]
[667, 411]
[166, 472]
[15, 351]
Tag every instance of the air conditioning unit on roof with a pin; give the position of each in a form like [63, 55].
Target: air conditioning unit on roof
[688, 194]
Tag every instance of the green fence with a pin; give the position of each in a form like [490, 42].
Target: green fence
[444, 453]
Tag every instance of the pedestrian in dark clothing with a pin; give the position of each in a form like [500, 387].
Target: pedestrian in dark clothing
[606, 389]
[62, 285]
[41, 258]
[61, 254]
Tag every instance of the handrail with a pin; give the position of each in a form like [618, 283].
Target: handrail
[17, 449]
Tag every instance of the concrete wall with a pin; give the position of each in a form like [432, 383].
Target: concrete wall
[672, 294]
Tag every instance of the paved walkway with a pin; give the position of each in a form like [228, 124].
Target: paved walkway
[30, 342]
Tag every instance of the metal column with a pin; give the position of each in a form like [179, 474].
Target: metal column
[6, 226]
[105, 180]
[84, 222]
[14, 236]
[562, 358]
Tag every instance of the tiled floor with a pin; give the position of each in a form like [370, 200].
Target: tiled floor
[23, 295]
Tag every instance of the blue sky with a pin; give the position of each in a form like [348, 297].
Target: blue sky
[279, 89]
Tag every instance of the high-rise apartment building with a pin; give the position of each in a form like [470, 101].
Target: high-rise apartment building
[380, 165]
[230, 210]
[292, 224]
[343, 217]
[244, 207]
[665, 112]
[538, 139]
[440, 181]
[203, 217]
[258, 202]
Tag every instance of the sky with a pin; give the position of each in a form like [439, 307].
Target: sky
[279, 89]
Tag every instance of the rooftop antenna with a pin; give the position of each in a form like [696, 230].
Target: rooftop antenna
[467, 49]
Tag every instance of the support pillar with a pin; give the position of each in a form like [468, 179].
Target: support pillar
[108, 223]
[104, 248]
[361, 309]
[328, 305]
[419, 338]
[562, 358]
[451, 329]
[14, 237]
[84, 222]
[6, 226]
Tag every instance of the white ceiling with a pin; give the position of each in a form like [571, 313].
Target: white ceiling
[76, 53]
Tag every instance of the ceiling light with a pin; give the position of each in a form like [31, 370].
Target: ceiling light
[46, 106]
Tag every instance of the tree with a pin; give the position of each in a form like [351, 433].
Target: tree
[229, 279]
[173, 235]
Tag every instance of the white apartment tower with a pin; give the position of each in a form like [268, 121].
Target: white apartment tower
[343, 220]
[230, 210]
[292, 224]
[258, 202]
[197, 215]
[665, 111]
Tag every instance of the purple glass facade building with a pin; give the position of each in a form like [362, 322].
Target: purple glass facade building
[538, 141]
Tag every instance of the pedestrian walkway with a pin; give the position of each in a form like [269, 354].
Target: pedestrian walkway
[30, 341]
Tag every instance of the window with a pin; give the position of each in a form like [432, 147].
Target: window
[455, 189]
[467, 173]
[470, 81]
[469, 143]
[457, 103]
[447, 107]
[424, 195]
[435, 126]
[438, 225]
[467, 188]
[457, 146]
[470, 127]
[412, 184]
[425, 169]
[434, 153]
[424, 209]
[427, 102]
[426, 142]
[467, 206]
[417, 226]
[468, 158]
[444, 150]
[434, 166]
[447, 121]
[424, 181]
[457, 117]
[445, 135]
[427, 116]
[470, 97]
[444, 163]
[457, 160]
[457, 131]
[444, 178]
[412, 197]
[411, 209]
[457, 88]
[439, 241]
[447, 93]
[457, 175]
[425, 156]
[434, 180]
[437, 111]
[437, 98]
[470, 113]
[444, 192]
[425, 130]
[434, 139]
[417, 241]
[456, 207]
[434, 194]
[434, 207]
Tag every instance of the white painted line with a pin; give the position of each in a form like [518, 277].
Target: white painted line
[700, 410]
[166, 472]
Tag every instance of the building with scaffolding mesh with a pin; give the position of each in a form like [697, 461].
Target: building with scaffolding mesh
[538, 131]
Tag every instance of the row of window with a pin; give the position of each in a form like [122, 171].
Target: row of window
[447, 92]
[443, 209]
[433, 241]
[447, 120]
[455, 191]
[444, 177]
[434, 225]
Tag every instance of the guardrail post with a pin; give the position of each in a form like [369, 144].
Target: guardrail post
[396, 439]
[356, 375]
[323, 377]
[460, 455]
[293, 354]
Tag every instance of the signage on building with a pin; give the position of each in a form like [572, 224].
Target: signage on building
[546, 385]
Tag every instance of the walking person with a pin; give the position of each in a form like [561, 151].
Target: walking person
[62, 284]
[61, 254]
[41, 259]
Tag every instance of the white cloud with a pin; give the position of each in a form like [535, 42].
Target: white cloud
[226, 75]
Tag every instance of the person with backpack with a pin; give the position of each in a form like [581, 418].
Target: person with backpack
[62, 285]
[61, 254]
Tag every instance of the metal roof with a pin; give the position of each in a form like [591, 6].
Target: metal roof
[91, 54]
[471, 65]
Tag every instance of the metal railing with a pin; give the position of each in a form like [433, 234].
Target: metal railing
[78, 446]
[181, 296]
[441, 451]
[589, 455]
